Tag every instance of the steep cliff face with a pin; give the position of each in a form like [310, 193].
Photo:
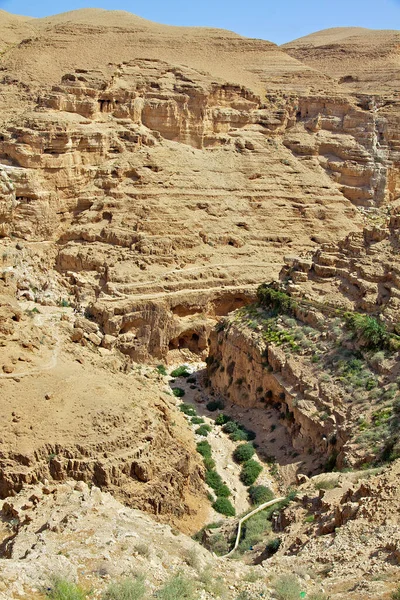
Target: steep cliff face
[336, 393]
[250, 373]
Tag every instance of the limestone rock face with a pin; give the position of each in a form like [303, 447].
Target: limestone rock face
[153, 169]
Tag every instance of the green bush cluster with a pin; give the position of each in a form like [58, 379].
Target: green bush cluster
[180, 372]
[214, 405]
[237, 432]
[224, 507]
[197, 420]
[243, 452]
[251, 469]
[214, 480]
[222, 419]
[161, 369]
[203, 430]
[260, 494]
[279, 300]
[187, 409]
[204, 449]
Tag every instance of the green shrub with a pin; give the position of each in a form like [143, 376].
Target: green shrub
[287, 588]
[370, 329]
[278, 300]
[127, 589]
[260, 494]
[63, 589]
[222, 419]
[243, 452]
[204, 449]
[187, 409]
[197, 420]
[209, 464]
[238, 436]
[214, 480]
[224, 507]
[178, 392]
[203, 430]
[180, 372]
[177, 587]
[250, 471]
[161, 369]
[214, 405]
[230, 427]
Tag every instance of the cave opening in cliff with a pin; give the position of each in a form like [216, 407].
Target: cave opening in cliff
[190, 340]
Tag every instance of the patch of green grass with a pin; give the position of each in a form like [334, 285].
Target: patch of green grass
[250, 471]
[197, 420]
[396, 594]
[126, 589]
[224, 507]
[180, 372]
[309, 519]
[178, 587]
[63, 589]
[212, 584]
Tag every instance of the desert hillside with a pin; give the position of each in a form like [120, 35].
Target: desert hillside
[199, 312]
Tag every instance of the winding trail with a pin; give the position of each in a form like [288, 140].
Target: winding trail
[243, 519]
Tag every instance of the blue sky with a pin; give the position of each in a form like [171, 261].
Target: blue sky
[267, 19]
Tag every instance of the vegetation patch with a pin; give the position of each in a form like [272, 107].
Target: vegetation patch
[180, 372]
[215, 481]
[260, 494]
[224, 507]
[63, 589]
[203, 430]
[214, 405]
[178, 392]
[126, 589]
[243, 453]
[250, 471]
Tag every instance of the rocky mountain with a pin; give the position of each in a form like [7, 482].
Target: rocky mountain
[151, 179]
